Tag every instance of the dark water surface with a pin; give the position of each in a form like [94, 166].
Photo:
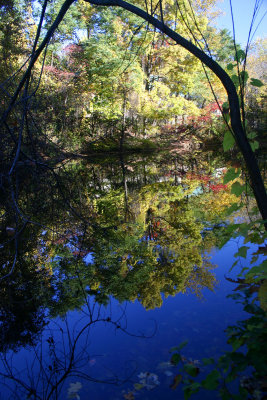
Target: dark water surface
[118, 262]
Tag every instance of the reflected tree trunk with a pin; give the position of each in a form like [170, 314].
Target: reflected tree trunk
[125, 187]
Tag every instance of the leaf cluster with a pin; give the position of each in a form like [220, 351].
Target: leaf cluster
[248, 339]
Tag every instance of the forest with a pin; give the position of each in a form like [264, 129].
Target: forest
[133, 143]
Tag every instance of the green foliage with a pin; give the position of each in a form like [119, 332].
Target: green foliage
[157, 251]
[228, 141]
[176, 358]
[211, 381]
[231, 174]
[236, 80]
[254, 145]
[180, 347]
[237, 189]
[115, 80]
[240, 80]
[191, 370]
[250, 337]
[258, 272]
[256, 82]
[242, 252]
[244, 77]
[263, 290]
[240, 56]
[225, 106]
[230, 67]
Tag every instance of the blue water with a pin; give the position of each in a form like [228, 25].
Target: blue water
[141, 345]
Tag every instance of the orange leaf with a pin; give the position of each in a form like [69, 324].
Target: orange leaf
[176, 381]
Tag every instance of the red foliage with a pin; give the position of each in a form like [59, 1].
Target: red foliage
[208, 112]
[59, 74]
[213, 107]
[72, 48]
[206, 180]
[202, 178]
[218, 188]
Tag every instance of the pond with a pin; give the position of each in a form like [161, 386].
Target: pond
[116, 261]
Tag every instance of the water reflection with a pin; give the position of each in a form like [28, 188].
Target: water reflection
[64, 351]
[144, 226]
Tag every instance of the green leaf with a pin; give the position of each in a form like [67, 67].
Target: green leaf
[231, 227]
[176, 358]
[244, 76]
[211, 382]
[226, 117]
[230, 377]
[187, 393]
[230, 66]
[231, 174]
[182, 345]
[259, 270]
[191, 369]
[254, 259]
[191, 389]
[224, 362]
[242, 252]
[263, 266]
[228, 141]
[235, 296]
[235, 80]
[195, 386]
[251, 135]
[254, 145]
[263, 295]
[234, 264]
[237, 343]
[256, 82]
[243, 229]
[234, 207]
[240, 56]
[225, 106]
[237, 357]
[237, 189]
[254, 237]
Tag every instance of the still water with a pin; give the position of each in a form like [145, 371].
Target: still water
[118, 262]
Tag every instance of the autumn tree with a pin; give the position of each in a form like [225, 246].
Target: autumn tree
[168, 27]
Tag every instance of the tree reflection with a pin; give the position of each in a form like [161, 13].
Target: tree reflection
[144, 237]
[22, 308]
[64, 351]
[159, 252]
